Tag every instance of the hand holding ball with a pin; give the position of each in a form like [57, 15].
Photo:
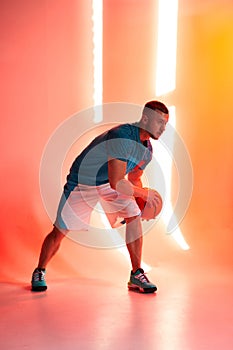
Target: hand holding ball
[150, 211]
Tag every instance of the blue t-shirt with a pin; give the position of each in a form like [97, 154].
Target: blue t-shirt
[121, 142]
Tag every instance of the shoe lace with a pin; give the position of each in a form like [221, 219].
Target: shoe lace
[142, 278]
[38, 275]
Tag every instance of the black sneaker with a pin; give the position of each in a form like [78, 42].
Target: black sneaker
[38, 280]
[139, 281]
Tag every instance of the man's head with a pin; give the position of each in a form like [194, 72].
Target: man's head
[154, 119]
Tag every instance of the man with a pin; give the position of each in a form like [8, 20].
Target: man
[109, 171]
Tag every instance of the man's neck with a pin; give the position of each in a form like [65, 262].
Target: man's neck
[144, 135]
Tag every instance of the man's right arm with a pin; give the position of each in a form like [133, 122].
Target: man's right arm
[116, 175]
[117, 180]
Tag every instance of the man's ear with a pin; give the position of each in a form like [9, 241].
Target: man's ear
[144, 119]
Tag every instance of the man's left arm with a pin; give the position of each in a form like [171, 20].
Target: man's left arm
[135, 176]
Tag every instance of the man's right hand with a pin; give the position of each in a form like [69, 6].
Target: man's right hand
[151, 196]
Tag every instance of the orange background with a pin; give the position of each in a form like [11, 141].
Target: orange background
[47, 76]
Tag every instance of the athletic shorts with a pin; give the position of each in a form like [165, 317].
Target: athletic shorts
[74, 212]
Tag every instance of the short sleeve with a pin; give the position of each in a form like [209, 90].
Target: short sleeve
[124, 144]
[118, 145]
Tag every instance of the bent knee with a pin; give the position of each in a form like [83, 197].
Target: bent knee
[57, 234]
[128, 220]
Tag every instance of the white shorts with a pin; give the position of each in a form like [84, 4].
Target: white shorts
[74, 212]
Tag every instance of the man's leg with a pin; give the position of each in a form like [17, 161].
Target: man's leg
[49, 247]
[134, 239]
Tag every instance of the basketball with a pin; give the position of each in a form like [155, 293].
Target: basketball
[149, 212]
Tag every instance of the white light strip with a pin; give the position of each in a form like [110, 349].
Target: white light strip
[167, 165]
[166, 46]
[97, 18]
[176, 234]
[163, 157]
[165, 83]
[165, 160]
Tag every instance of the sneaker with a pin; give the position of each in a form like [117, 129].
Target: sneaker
[138, 281]
[38, 280]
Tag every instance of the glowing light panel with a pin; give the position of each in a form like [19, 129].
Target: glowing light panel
[165, 161]
[97, 18]
[165, 83]
[166, 47]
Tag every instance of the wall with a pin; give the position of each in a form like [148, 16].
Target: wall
[46, 74]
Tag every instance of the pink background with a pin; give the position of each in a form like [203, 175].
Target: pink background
[47, 76]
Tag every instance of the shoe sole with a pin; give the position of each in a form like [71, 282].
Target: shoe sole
[39, 289]
[136, 288]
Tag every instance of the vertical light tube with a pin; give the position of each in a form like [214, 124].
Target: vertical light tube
[166, 82]
[166, 46]
[97, 19]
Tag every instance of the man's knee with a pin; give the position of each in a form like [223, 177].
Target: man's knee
[128, 220]
[57, 234]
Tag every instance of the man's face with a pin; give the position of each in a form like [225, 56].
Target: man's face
[157, 124]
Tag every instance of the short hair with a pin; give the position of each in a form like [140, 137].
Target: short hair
[155, 106]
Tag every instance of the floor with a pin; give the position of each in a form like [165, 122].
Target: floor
[190, 311]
